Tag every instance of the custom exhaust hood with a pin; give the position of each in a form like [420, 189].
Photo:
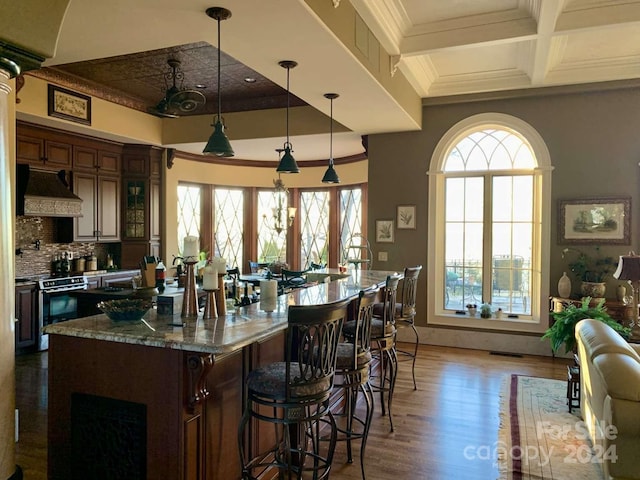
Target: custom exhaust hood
[43, 193]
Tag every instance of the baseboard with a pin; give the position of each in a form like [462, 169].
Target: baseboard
[507, 343]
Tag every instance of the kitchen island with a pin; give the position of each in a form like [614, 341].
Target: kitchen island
[152, 400]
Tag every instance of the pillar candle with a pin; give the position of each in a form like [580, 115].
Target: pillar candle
[190, 247]
[220, 264]
[210, 278]
[268, 295]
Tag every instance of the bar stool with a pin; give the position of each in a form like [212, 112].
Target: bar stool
[406, 311]
[352, 367]
[293, 395]
[383, 344]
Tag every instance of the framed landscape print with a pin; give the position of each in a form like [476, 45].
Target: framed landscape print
[63, 103]
[594, 220]
[384, 231]
[406, 217]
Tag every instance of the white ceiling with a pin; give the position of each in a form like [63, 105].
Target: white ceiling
[441, 47]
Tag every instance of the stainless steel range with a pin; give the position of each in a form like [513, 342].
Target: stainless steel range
[56, 303]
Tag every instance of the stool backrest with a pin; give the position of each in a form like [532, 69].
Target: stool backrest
[294, 278]
[389, 299]
[312, 346]
[409, 290]
[366, 301]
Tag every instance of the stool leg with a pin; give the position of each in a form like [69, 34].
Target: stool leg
[415, 354]
[368, 398]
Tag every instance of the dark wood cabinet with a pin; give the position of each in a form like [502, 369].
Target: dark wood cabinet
[96, 160]
[42, 153]
[26, 317]
[100, 196]
[141, 203]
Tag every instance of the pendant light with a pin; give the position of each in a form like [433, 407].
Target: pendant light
[330, 176]
[287, 162]
[218, 143]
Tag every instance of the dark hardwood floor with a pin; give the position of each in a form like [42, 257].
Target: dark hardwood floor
[438, 427]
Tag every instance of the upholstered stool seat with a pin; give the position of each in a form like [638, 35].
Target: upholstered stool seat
[271, 381]
[378, 328]
[346, 355]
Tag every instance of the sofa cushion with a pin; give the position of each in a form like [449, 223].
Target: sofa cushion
[620, 375]
[598, 338]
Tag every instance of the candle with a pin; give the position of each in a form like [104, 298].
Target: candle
[210, 278]
[220, 265]
[268, 295]
[190, 248]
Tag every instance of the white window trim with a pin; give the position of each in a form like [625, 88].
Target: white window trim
[436, 314]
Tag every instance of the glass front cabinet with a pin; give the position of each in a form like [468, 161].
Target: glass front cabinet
[142, 191]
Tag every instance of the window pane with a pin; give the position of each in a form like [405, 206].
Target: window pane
[189, 212]
[314, 233]
[455, 199]
[474, 199]
[272, 246]
[523, 198]
[229, 225]
[350, 219]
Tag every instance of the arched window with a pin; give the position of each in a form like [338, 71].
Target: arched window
[487, 224]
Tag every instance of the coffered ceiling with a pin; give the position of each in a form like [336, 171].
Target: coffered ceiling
[384, 57]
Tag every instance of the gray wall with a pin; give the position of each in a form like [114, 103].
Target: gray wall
[593, 139]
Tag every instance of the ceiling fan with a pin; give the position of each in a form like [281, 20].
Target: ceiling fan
[177, 100]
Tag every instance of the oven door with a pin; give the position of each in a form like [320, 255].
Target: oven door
[55, 307]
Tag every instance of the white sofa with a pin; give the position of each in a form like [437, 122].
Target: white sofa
[610, 397]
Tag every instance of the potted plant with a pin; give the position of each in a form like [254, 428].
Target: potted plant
[590, 270]
[563, 329]
[473, 309]
[485, 310]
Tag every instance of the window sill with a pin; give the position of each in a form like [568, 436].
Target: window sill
[520, 324]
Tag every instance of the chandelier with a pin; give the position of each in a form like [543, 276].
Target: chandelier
[282, 217]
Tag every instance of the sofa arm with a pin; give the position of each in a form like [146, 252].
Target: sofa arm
[636, 347]
[620, 375]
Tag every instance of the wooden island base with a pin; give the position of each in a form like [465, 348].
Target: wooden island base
[138, 412]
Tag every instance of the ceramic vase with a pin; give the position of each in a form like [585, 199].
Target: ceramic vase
[564, 286]
[621, 292]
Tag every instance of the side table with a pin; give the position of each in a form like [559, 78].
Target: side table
[573, 384]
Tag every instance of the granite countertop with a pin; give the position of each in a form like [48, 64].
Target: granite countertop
[238, 328]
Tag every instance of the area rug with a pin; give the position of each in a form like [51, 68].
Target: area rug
[538, 437]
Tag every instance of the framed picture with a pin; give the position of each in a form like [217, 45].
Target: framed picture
[595, 220]
[384, 231]
[406, 217]
[63, 103]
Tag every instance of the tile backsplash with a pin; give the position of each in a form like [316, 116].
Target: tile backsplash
[33, 261]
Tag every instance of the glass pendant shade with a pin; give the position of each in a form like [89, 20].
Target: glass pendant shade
[287, 162]
[218, 143]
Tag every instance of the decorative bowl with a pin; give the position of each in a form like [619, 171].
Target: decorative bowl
[125, 309]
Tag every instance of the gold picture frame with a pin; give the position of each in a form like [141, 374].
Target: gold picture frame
[68, 105]
[600, 221]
